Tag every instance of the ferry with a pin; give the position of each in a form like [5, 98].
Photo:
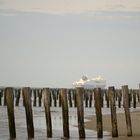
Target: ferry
[85, 82]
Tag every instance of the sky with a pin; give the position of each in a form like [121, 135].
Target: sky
[52, 43]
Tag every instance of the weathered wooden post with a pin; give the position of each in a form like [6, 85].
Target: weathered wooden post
[39, 97]
[57, 93]
[97, 98]
[74, 98]
[46, 93]
[119, 94]
[0, 98]
[69, 97]
[107, 99]
[17, 97]
[80, 111]
[15, 92]
[5, 99]
[54, 97]
[86, 98]
[102, 98]
[65, 112]
[1, 94]
[10, 110]
[90, 99]
[139, 94]
[59, 97]
[35, 96]
[125, 92]
[28, 109]
[116, 96]
[50, 98]
[134, 98]
[113, 111]
[130, 97]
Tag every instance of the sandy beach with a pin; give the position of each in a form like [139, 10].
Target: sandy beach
[122, 131]
[90, 123]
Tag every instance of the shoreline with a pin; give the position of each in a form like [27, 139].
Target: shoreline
[121, 123]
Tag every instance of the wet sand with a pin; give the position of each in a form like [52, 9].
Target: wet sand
[40, 124]
[90, 123]
[122, 130]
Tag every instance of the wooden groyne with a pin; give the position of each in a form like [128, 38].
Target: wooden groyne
[66, 98]
[37, 97]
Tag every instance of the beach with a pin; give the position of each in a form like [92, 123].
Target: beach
[40, 123]
[90, 124]
[122, 129]
[57, 123]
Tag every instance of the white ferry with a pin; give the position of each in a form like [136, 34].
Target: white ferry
[97, 82]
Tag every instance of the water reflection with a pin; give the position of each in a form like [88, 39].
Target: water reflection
[57, 122]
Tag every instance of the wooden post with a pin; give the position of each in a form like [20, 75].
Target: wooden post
[126, 109]
[119, 94]
[134, 98]
[1, 94]
[65, 112]
[113, 111]
[39, 97]
[54, 98]
[35, 96]
[107, 99]
[15, 92]
[28, 109]
[5, 99]
[130, 97]
[90, 99]
[86, 98]
[50, 98]
[74, 98]
[59, 98]
[10, 110]
[46, 93]
[102, 98]
[17, 97]
[80, 111]
[69, 97]
[139, 93]
[97, 98]
[57, 93]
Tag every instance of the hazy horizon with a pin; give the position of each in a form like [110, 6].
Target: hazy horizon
[54, 43]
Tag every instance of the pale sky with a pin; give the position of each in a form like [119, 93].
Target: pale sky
[51, 43]
[70, 6]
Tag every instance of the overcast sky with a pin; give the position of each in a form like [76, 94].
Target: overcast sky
[52, 43]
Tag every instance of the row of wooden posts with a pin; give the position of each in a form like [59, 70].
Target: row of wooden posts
[55, 98]
[79, 97]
